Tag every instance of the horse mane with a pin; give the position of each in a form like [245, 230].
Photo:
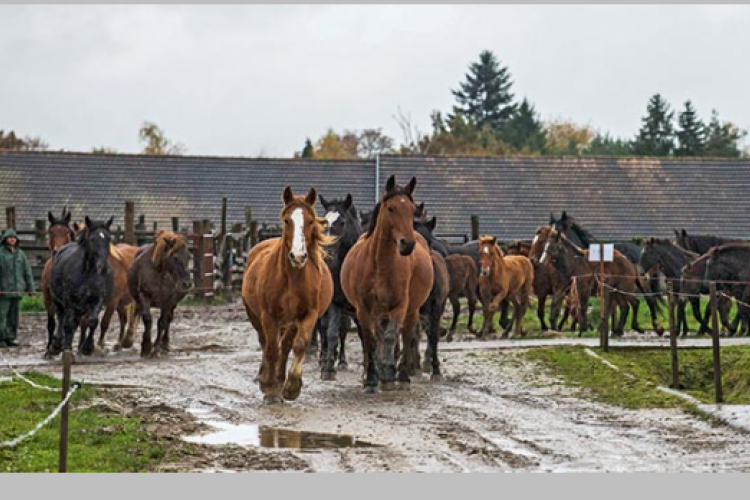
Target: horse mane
[166, 243]
[376, 211]
[116, 254]
[566, 241]
[582, 233]
[320, 240]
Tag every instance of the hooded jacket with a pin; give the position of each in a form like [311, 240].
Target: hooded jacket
[15, 271]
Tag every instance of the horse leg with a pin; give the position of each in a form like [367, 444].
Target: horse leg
[433, 336]
[293, 383]
[635, 306]
[144, 306]
[541, 307]
[487, 324]
[329, 339]
[106, 319]
[456, 306]
[168, 314]
[343, 331]
[504, 320]
[269, 383]
[124, 315]
[653, 307]
[725, 306]
[68, 323]
[409, 336]
[93, 323]
[312, 349]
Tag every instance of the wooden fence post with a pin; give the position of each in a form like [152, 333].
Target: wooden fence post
[673, 339]
[604, 312]
[67, 359]
[130, 223]
[40, 232]
[198, 258]
[10, 217]
[175, 224]
[716, 346]
[474, 227]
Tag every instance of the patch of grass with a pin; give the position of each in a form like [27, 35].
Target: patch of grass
[216, 300]
[99, 441]
[600, 382]
[696, 370]
[32, 304]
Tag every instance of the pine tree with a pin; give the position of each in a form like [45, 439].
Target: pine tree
[485, 97]
[656, 137]
[607, 145]
[524, 131]
[723, 138]
[308, 151]
[691, 135]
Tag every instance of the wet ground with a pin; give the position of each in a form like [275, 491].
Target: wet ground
[497, 413]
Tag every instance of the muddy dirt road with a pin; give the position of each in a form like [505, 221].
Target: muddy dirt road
[496, 413]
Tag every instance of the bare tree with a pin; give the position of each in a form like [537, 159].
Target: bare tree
[156, 143]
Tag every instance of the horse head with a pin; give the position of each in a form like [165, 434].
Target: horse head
[95, 239]
[302, 231]
[488, 250]
[59, 233]
[394, 215]
[171, 256]
[341, 219]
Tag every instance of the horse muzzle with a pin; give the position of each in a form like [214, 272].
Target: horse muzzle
[406, 247]
[298, 261]
[485, 272]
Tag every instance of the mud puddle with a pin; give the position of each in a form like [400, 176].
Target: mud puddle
[261, 436]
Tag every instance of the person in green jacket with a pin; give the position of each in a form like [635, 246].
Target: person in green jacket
[15, 280]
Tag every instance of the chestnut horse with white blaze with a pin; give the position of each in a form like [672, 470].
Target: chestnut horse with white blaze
[387, 276]
[286, 288]
[501, 277]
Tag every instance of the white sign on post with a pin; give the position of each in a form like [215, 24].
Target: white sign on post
[601, 252]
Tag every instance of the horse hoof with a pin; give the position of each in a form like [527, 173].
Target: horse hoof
[436, 377]
[292, 389]
[371, 389]
[344, 366]
[117, 348]
[387, 386]
[127, 344]
[403, 386]
[273, 400]
[328, 376]
[426, 367]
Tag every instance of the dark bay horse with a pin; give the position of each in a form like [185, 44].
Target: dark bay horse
[463, 282]
[670, 259]
[582, 238]
[700, 244]
[343, 225]
[387, 276]
[158, 278]
[59, 234]
[431, 314]
[548, 282]
[502, 277]
[621, 275]
[286, 288]
[80, 284]
[728, 266]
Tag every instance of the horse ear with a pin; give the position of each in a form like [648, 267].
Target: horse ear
[684, 233]
[412, 184]
[312, 195]
[323, 201]
[390, 184]
[288, 196]
[431, 224]
[564, 215]
[67, 218]
[109, 222]
[348, 201]
[551, 217]
[77, 227]
[88, 221]
[50, 217]
[676, 233]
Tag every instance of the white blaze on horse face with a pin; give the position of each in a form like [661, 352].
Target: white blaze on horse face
[543, 260]
[331, 217]
[299, 248]
[536, 238]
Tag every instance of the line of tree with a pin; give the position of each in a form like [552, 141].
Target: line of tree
[488, 120]
[11, 141]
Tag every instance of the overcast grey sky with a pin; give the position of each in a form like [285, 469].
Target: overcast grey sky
[257, 80]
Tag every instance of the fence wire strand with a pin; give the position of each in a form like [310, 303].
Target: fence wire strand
[33, 384]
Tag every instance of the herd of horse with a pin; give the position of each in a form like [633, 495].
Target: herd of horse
[386, 272]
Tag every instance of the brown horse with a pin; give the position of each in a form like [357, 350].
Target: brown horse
[548, 281]
[286, 288]
[159, 277]
[121, 258]
[501, 277]
[621, 275]
[387, 276]
[464, 280]
[59, 234]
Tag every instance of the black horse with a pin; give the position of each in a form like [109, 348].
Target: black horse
[582, 238]
[80, 284]
[344, 225]
[700, 244]
[728, 266]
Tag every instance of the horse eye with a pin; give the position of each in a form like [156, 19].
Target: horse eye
[390, 209]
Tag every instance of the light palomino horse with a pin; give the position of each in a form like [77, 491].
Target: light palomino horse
[286, 288]
[387, 276]
[501, 277]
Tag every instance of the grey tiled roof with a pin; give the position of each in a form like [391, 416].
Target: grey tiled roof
[166, 186]
[614, 198]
